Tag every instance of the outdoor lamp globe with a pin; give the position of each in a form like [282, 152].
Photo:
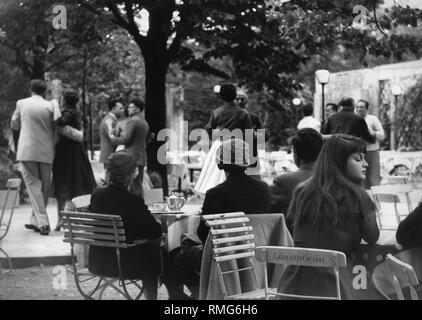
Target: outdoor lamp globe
[323, 76]
[396, 90]
[296, 101]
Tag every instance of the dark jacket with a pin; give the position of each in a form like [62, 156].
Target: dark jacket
[409, 232]
[239, 193]
[139, 261]
[229, 117]
[347, 122]
[135, 138]
[256, 123]
[282, 188]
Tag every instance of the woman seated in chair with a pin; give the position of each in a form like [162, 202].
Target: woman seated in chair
[331, 211]
[138, 262]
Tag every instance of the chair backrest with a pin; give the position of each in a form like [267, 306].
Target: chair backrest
[302, 257]
[9, 201]
[82, 201]
[153, 196]
[233, 250]
[94, 229]
[397, 179]
[393, 194]
[403, 276]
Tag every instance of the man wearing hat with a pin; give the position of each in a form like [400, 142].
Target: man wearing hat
[246, 194]
[138, 262]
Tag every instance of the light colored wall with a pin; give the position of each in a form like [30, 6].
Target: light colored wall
[364, 83]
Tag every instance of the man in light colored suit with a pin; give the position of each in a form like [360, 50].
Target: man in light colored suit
[34, 117]
[108, 130]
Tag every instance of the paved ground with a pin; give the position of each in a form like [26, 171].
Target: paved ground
[49, 283]
[22, 244]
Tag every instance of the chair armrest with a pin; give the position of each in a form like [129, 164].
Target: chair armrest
[139, 242]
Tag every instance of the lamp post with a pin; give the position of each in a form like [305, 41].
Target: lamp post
[297, 102]
[396, 91]
[323, 76]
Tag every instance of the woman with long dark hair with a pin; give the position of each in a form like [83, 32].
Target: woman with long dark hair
[72, 172]
[331, 211]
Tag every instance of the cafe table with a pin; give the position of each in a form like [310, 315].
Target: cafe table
[269, 229]
[174, 224]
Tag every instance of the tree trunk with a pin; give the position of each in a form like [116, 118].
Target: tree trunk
[155, 112]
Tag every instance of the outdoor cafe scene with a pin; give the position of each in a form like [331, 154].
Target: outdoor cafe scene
[210, 150]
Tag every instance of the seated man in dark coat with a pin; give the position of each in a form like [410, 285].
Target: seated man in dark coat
[409, 231]
[138, 262]
[307, 144]
[239, 192]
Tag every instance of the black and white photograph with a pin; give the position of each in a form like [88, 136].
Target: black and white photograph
[199, 151]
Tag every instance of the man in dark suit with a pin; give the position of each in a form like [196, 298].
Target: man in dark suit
[346, 121]
[108, 129]
[135, 140]
[239, 192]
[307, 144]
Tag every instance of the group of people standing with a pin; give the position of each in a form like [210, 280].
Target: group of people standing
[133, 138]
[50, 148]
[349, 118]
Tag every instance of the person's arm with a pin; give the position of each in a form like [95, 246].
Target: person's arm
[278, 196]
[210, 206]
[369, 228]
[71, 133]
[409, 231]
[378, 129]
[147, 224]
[127, 137]
[15, 122]
[210, 125]
[364, 131]
[64, 119]
[326, 127]
[247, 123]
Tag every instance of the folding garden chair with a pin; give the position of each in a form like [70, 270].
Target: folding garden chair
[393, 194]
[301, 257]
[7, 206]
[233, 252]
[105, 231]
[402, 275]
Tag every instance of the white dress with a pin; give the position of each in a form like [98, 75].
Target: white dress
[210, 175]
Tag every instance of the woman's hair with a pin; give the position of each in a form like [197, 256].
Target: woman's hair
[70, 98]
[320, 196]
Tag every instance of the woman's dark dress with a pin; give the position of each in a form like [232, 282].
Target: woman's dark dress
[72, 172]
